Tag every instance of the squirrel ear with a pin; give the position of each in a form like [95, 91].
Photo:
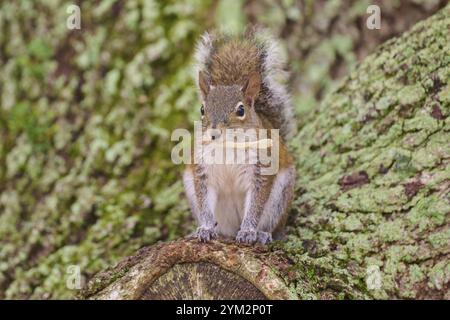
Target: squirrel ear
[204, 84]
[252, 86]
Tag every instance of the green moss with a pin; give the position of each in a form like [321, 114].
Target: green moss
[388, 134]
[411, 95]
[439, 275]
[87, 120]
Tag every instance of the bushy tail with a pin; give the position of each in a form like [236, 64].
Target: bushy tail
[229, 59]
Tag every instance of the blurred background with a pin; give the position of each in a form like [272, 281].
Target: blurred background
[86, 117]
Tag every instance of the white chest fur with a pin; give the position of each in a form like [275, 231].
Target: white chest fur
[228, 186]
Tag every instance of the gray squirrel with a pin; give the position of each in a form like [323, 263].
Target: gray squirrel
[239, 89]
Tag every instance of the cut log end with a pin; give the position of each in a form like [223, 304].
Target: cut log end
[191, 281]
[187, 269]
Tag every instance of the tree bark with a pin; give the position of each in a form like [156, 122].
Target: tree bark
[371, 218]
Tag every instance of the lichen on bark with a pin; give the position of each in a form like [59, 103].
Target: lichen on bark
[381, 123]
[85, 121]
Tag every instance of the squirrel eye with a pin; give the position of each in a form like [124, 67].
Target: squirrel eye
[202, 110]
[240, 112]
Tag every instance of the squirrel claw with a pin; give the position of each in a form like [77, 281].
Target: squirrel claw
[264, 237]
[205, 234]
[247, 236]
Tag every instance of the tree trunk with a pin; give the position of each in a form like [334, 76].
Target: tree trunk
[371, 218]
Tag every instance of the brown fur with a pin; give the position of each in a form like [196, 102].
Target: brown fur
[233, 62]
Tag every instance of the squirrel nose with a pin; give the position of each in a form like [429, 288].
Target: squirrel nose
[215, 134]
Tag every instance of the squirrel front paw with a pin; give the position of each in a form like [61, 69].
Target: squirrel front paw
[205, 234]
[264, 237]
[247, 236]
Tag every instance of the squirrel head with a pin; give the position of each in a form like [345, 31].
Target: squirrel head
[229, 106]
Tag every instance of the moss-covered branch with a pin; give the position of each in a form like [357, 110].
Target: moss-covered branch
[374, 172]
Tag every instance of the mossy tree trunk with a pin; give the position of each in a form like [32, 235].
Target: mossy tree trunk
[371, 218]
